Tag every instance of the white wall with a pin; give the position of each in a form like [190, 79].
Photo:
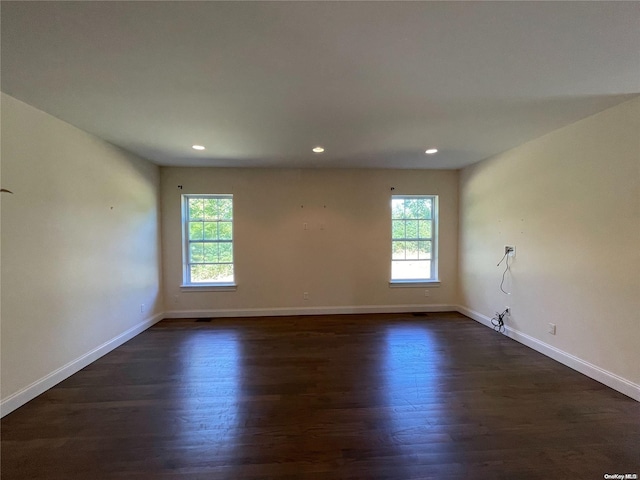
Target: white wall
[570, 202]
[80, 249]
[345, 266]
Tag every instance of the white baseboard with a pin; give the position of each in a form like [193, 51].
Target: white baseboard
[601, 375]
[287, 311]
[12, 402]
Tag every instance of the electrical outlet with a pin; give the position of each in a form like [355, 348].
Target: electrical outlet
[426, 292]
[552, 329]
[142, 308]
[510, 250]
[508, 311]
[305, 296]
[305, 226]
[176, 299]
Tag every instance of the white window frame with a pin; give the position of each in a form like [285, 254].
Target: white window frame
[186, 270]
[433, 279]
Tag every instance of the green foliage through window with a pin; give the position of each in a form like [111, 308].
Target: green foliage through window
[412, 237]
[208, 223]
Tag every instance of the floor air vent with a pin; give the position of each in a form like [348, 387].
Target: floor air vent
[203, 320]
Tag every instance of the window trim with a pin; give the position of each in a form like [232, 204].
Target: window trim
[209, 287]
[434, 281]
[186, 283]
[414, 283]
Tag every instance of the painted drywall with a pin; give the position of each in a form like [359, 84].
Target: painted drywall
[80, 245]
[570, 203]
[341, 260]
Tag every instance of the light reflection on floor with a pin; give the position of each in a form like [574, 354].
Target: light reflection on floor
[211, 376]
[411, 365]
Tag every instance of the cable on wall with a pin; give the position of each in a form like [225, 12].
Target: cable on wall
[498, 321]
[507, 269]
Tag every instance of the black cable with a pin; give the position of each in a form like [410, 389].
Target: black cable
[498, 322]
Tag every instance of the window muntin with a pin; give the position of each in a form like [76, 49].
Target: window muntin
[208, 239]
[414, 238]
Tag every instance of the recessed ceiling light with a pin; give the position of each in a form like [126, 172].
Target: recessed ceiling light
[318, 149]
[197, 147]
[431, 151]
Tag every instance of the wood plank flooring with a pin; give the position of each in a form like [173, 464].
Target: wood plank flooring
[323, 397]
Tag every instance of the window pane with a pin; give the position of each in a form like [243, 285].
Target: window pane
[412, 250]
[428, 205]
[411, 270]
[397, 208]
[225, 230]
[198, 273]
[211, 273]
[196, 252]
[210, 208]
[424, 228]
[196, 209]
[195, 231]
[398, 250]
[211, 230]
[398, 229]
[412, 229]
[420, 208]
[424, 250]
[211, 252]
[224, 272]
[226, 209]
[412, 208]
[226, 252]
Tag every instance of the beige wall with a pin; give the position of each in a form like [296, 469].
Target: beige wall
[570, 202]
[346, 264]
[80, 244]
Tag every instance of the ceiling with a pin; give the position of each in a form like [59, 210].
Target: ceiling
[375, 83]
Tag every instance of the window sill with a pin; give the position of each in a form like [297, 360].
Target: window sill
[414, 283]
[226, 287]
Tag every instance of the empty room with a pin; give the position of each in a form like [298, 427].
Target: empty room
[319, 240]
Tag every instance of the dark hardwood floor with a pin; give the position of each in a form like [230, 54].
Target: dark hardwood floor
[326, 397]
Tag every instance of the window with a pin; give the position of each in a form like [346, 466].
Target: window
[207, 239]
[414, 233]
